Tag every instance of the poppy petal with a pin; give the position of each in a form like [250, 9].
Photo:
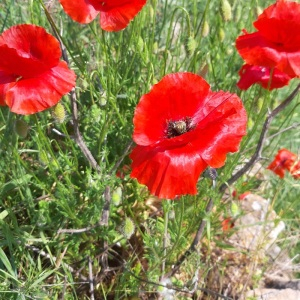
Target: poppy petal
[28, 50]
[284, 160]
[177, 95]
[117, 15]
[168, 173]
[222, 129]
[255, 50]
[32, 95]
[81, 11]
[250, 75]
[5, 82]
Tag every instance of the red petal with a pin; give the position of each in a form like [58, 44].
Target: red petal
[167, 173]
[261, 75]
[177, 96]
[81, 11]
[28, 50]
[283, 161]
[227, 224]
[28, 96]
[6, 81]
[255, 50]
[282, 10]
[221, 129]
[116, 15]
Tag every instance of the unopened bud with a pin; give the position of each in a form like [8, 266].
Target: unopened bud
[21, 128]
[226, 10]
[128, 228]
[205, 29]
[59, 113]
[192, 45]
[221, 34]
[117, 196]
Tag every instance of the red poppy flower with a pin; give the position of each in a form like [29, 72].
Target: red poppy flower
[227, 224]
[250, 75]
[284, 160]
[244, 195]
[32, 77]
[276, 43]
[181, 127]
[115, 15]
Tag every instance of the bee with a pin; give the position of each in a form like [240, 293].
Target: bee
[179, 127]
[176, 128]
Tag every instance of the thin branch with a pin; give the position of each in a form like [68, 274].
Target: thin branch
[77, 135]
[257, 154]
[91, 279]
[105, 213]
[79, 230]
[293, 126]
[119, 161]
[104, 222]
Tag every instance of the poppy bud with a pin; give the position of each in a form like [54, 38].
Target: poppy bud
[205, 29]
[191, 45]
[238, 13]
[221, 34]
[259, 11]
[226, 10]
[117, 196]
[128, 228]
[234, 209]
[59, 113]
[151, 12]
[140, 44]
[21, 128]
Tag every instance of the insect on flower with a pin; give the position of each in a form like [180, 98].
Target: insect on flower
[181, 127]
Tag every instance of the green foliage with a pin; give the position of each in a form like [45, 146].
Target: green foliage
[47, 186]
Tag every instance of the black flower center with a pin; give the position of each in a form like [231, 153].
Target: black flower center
[176, 128]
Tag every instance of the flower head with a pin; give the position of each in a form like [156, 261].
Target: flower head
[181, 127]
[276, 43]
[285, 160]
[250, 75]
[227, 224]
[32, 77]
[115, 15]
